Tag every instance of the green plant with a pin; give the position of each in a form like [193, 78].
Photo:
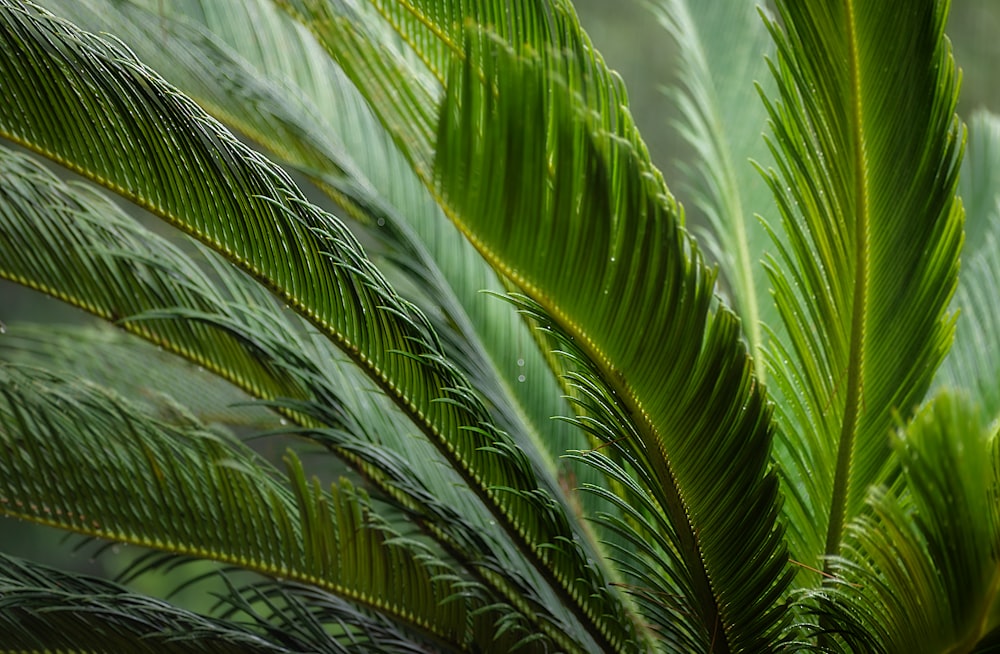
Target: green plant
[821, 474]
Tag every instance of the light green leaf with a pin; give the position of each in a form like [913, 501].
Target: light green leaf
[722, 48]
[868, 247]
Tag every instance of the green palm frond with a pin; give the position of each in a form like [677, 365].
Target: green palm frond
[183, 312]
[73, 451]
[722, 48]
[247, 209]
[42, 609]
[973, 361]
[548, 174]
[868, 256]
[918, 571]
[584, 286]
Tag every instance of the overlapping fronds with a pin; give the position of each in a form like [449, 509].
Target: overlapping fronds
[867, 148]
[182, 310]
[919, 569]
[73, 452]
[137, 135]
[42, 609]
[559, 195]
[974, 359]
[722, 48]
[281, 88]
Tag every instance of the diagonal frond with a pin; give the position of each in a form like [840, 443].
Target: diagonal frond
[72, 452]
[919, 569]
[867, 148]
[42, 609]
[559, 195]
[146, 374]
[302, 108]
[721, 58]
[137, 135]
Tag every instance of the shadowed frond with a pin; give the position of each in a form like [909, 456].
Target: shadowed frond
[135, 134]
[867, 147]
[597, 244]
[42, 609]
[72, 452]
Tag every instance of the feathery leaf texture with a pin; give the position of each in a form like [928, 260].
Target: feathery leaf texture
[722, 48]
[42, 609]
[573, 212]
[919, 569]
[196, 493]
[867, 147]
[104, 114]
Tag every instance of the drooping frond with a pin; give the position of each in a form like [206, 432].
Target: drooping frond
[722, 48]
[137, 135]
[302, 108]
[42, 609]
[73, 452]
[919, 568]
[867, 148]
[182, 311]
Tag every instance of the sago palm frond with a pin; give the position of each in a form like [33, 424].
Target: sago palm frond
[571, 210]
[867, 147]
[918, 571]
[721, 65]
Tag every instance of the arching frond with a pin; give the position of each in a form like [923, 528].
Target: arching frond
[559, 194]
[73, 452]
[919, 569]
[867, 147]
[247, 209]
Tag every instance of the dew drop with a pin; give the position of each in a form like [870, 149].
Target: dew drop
[521, 378]
[381, 222]
[520, 363]
[282, 421]
[3, 328]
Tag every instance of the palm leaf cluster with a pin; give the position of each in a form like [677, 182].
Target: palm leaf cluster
[421, 247]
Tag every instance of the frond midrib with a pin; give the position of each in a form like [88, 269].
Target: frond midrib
[855, 371]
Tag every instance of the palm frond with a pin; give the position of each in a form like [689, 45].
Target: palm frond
[973, 361]
[42, 609]
[478, 180]
[868, 252]
[72, 452]
[235, 201]
[918, 571]
[145, 373]
[721, 58]
[979, 181]
[622, 260]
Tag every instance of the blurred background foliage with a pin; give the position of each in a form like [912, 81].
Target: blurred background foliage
[632, 42]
